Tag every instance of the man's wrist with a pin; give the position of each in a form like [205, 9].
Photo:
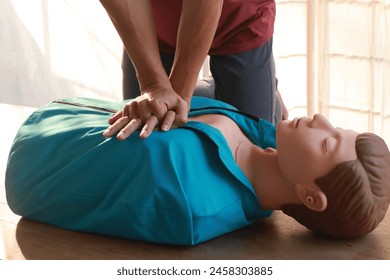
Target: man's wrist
[150, 80]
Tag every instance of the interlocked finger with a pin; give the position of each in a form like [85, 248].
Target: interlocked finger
[168, 120]
[116, 126]
[150, 124]
[132, 126]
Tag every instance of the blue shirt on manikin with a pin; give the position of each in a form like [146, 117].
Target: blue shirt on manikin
[178, 187]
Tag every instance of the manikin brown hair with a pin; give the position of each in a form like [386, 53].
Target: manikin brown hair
[358, 193]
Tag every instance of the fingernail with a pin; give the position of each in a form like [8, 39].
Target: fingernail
[121, 135]
[106, 133]
[164, 127]
[143, 134]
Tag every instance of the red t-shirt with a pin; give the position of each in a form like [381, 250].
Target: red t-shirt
[244, 25]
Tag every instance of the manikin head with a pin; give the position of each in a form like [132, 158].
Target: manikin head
[341, 177]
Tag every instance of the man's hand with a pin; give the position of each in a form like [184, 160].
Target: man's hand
[155, 108]
[164, 100]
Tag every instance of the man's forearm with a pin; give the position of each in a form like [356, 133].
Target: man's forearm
[134, 23]
[198, 23]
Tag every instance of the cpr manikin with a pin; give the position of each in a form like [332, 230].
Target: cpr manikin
[333, 181]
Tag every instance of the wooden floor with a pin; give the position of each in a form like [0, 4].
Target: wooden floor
[278, 237]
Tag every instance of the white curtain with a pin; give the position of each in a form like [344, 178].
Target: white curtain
[55, 49]
[333, 57]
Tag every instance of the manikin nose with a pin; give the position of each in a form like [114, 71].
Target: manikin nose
[320, 121]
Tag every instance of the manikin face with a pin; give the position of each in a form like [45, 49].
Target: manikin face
[310, 149]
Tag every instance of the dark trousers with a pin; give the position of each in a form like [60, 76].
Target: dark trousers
[245, 80]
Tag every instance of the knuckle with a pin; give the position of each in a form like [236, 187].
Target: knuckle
[123, 119]
[158, 109]
[180, 120]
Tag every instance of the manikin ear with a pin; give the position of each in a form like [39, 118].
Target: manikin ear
[312, 197]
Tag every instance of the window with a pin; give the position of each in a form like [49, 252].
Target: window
[333, 57]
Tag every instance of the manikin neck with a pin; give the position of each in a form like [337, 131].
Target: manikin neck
[260, 166]
[262, 169]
